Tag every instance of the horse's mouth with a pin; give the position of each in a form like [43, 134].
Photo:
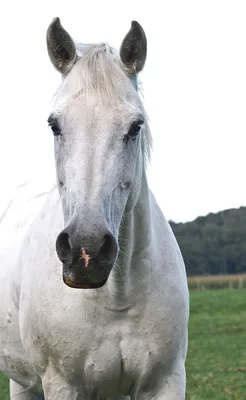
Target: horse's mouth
[86, 278]
[80, 284]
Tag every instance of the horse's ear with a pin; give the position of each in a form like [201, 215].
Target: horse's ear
[61, 47]
[133, 50]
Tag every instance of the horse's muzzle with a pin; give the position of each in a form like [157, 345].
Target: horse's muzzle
[87, 260]
[75, 277]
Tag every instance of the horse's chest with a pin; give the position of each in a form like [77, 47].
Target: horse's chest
[119, 353]
[103, 364]
[107, 352]
[110, 358]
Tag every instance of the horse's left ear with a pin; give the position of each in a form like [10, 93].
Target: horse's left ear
[133, 50]
[60, 46]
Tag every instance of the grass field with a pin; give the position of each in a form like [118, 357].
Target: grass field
[216, 364]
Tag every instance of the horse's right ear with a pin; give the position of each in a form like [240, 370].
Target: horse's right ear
[133, 50]
[61, 47]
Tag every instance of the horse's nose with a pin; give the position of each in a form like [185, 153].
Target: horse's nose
[108, 247]
[71, 248]
[63, 247]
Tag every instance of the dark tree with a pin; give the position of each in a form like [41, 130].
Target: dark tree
[214, 244]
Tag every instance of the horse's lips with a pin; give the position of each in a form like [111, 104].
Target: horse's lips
[82, 285]
[71, 279]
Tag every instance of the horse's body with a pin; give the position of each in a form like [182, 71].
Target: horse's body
[125, 337]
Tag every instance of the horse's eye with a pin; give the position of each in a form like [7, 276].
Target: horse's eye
[54, 124]
[134, 129]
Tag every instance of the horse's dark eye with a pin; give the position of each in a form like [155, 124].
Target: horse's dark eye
[134, 130]
[54, 124]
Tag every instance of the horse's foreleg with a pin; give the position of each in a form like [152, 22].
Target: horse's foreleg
[171, 387]
[18, 392]
[56, 388]
[175, 385]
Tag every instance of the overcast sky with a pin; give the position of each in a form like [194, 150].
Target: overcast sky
[194, 87]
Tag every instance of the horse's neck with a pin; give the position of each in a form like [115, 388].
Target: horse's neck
[134, 240]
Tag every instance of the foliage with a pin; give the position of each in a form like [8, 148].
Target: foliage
[214, 244]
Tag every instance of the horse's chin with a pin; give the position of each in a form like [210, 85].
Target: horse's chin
[82, 285]
[78, 277]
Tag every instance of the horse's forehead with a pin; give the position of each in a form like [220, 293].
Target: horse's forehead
[112, 96]
[93, 107]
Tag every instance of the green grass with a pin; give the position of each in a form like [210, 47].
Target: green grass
[4, 388]
[216, 363]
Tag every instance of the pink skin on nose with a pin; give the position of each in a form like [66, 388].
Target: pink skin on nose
[85, 257]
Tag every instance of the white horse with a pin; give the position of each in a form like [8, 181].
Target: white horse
[94, 298]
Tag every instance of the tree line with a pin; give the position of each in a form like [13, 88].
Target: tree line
[214, 244]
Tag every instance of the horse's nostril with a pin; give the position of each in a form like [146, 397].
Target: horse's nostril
[74, 249]
[63, 248]
[108, 248]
